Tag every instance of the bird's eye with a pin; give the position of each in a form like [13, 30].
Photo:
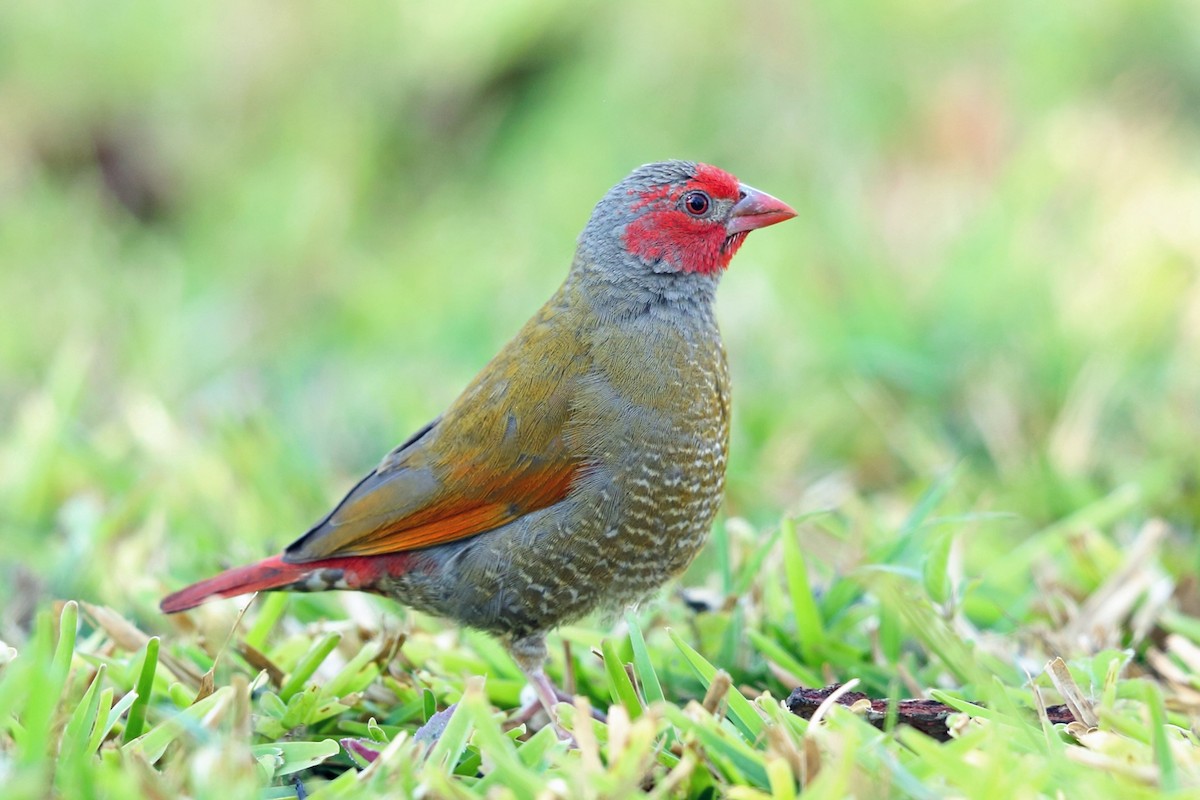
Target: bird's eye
[696, 203]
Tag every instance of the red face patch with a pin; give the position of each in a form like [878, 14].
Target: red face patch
[665, 231]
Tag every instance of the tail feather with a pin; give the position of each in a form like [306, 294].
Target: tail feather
[352, 572]
[271, 573]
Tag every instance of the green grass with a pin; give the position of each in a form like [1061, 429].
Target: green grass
[243, 253]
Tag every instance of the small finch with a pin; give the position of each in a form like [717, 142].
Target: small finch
[582, 468]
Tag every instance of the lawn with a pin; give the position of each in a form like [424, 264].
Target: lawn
[246, 249]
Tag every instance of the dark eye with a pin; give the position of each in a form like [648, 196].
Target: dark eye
[696, 203]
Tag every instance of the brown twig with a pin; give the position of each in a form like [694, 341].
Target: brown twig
[927, 716]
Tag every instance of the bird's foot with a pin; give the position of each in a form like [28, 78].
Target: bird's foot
[540, 709]
[530, 709]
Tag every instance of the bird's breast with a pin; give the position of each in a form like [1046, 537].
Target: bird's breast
[652, 423]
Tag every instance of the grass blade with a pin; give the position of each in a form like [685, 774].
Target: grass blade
[1168, 772]
[777, 653]
[77, 734]
[619, 686]
[642, 665]
[740, 709]
[100, 730]
[308, 665]
[152, 744]
[269, 612]
[145, 683]
[809, 629]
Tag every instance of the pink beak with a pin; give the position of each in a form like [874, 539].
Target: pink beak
[754, 210]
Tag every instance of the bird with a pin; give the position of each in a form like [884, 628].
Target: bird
[583, 467]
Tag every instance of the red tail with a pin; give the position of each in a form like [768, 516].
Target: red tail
[356, 572]
[271, 573]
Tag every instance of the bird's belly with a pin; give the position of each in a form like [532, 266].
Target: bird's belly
[616, 539]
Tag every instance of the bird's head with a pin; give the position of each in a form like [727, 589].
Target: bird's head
[680, 217]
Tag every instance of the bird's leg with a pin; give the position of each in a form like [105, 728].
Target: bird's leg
[530, 654]
[548, 696]
[526, 712]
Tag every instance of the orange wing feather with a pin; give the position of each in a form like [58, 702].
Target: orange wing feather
[450, 520]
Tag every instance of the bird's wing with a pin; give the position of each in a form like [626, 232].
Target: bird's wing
[497, 454]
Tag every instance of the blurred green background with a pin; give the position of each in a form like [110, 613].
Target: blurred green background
[246, 247]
